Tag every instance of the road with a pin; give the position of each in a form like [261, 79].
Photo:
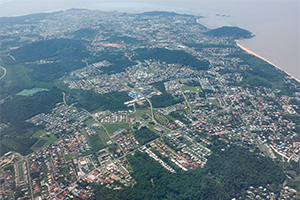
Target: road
[185, 98]
[12, 57]
[64, 98]
[105, 130]
[260, 145]
[29, 178]
[4, 72]
[151, 107]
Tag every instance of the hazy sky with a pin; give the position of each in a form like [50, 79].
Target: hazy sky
[276, 24]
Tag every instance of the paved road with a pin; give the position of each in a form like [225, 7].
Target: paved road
[29, 178]
[64, 98]
[185, 98]
[151, 110]
[4, 72]
[105, 130]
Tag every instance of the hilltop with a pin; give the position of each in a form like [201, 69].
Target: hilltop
[228, 31]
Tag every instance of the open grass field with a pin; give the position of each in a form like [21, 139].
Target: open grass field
[89, 121]
[50, 141]
[191, 89]
[102, 134]
[111, 128]
[161, 119]
[139, 113]
[20, 169]
[170, 118]
[17, 76]
[69, 157]
[39, 144]
[96, 142]
[39, 133]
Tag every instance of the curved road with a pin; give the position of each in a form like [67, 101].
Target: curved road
[4, 72]
[64, 98]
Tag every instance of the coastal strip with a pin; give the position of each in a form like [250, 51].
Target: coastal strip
[258, 56]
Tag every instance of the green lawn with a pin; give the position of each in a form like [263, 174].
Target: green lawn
[102, 134]
[96, 142]
[191, 89]
[50, 141]
[141, 112]
[17, 76]
[89, 121]
[170, 118]
[39, 133]
[20, 169]
[162, 119]
[111, 128]
[69, 157]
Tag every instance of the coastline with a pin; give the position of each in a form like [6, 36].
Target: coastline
[258, 56]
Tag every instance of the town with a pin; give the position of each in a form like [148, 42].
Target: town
[76, 148]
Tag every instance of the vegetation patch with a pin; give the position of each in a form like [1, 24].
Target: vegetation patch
[145, 135]
[228, 31]
[102, 134]
[164, 99]
[171, 56]
[96, 142]
[39, 144]
[237, 168]
[39, 133]
[191, 89]
[111, 128]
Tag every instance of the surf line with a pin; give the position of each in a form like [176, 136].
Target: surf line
[258, 56]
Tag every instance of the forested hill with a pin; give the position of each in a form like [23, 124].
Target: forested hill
[164, 13]
[26, 19]
[229, 31]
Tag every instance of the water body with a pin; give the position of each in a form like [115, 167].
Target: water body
[27, 92]
[276, 24]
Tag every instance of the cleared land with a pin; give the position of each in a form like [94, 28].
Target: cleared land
[89, 121]
[141, 112]
[39, 133]
[39, 144]
[102, 134]
[96, 142]
[192, 89]
[111, 128]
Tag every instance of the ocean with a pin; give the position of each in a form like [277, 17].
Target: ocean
[276, 24]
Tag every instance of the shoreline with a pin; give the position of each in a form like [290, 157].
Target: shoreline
[258, 56]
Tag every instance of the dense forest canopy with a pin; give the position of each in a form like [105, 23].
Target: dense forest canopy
[54, 48]
[226, 174]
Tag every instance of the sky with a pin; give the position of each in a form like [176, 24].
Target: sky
[276, 23]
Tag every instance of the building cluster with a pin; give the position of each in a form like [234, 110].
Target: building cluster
[116, 117]
[125, 139]
[227, 109]
[62, 118]
[139, 75]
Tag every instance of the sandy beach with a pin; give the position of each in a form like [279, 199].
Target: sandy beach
[252, 53]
